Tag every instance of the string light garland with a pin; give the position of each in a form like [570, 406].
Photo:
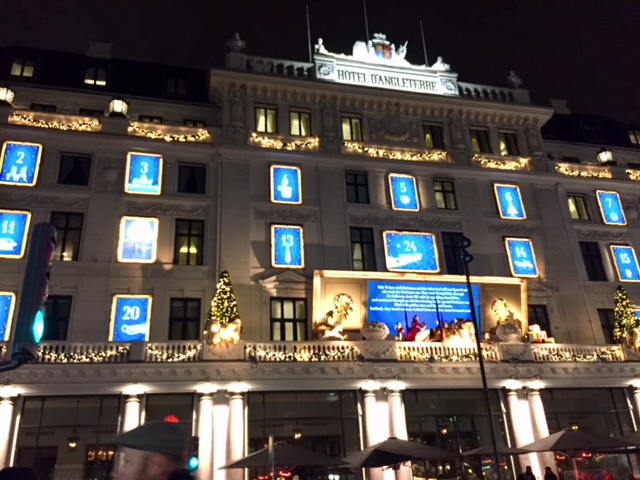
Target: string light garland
[431, 156]
[340, 354]
[574, 172]
[312, 143]
[186, 356]
[633, 175]
[415, 356]
[604, 355]
[200, 136]
[84, 126]
[516, 164]
[92, 357]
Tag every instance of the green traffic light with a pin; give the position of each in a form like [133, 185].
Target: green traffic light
[38, 326]
[193, 463]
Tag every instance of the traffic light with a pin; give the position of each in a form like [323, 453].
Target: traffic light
[194, 461]
[30, 324]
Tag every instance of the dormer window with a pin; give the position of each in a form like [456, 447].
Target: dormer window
[95, 76]
[634, 136]
[176, 86]
[22, 67]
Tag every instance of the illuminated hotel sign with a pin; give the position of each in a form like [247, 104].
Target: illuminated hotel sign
[410, 252]
[138, 240]
[7, 305]
[626, 263]
[611, 208]
[287, 246]
[404, 194]
[509, 202]
[286, 184]
[130, 318]
[19, 163]
[144, 174]
[522, 258]
[14, 226]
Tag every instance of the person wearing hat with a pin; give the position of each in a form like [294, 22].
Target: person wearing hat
[153, 451]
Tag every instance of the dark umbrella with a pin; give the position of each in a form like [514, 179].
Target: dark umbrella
[569, 441]
[285, 456]
[393, 451]
[488, 450]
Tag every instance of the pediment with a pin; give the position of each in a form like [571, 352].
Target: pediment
[287, 283]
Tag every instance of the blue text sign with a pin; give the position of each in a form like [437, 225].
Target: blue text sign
[287, 246]
[286, 184]
[626, 263]
[509, 201]
[130, 318]
[14, 226]
[144, 174]
[138, 241]
[7, 305]
[522, 258]
[404, 193]
[410, 252]
[19, 163]
[611, 208]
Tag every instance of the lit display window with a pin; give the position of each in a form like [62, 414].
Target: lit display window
[286, 184]
[509, 201]
[130, 318]
[404, 193]
[138, 240]
[626, 263]
[144, 174]
[7, 306]
[410, 252]
[522, 258]
[287, 246]
[611, 208]
[14, 227]
[19, 163]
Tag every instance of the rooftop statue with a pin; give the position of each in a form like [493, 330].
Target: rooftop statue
[440, 65]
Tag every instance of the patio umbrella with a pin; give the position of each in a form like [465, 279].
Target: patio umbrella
[285, 456]
[488, 450]
[571, 441]
[393, 451]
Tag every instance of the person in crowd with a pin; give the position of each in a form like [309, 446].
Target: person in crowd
[549, 475]
[18, 473]
[527, 474]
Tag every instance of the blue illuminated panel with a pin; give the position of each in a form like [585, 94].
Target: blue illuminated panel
[287, 246]
[522, 258]
[626, 263]
[611, 208]
[410, 252]
[130, 318]
[509, 201]
[286, 184]
[14, 226]
[7, 305]
[138, 240]
[19, 163]
[144, 174]
[404, 194]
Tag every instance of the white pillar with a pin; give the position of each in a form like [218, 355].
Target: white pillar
[6, 417]
[131, 413]
[519, 418]
[371, 428]
[398, 426]
[205, 436]
[540, 430]
[235, 442]
[636, 403]
[220, 434]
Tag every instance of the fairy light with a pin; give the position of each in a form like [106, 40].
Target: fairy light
[521, 163]
[312, 143]
[340, 354]
[634, 175]
[603, 355]
[186, 356]
[200, 136]
[92, 357]
[93, 125]
[414, 156]
[575, 172]
[410, 354]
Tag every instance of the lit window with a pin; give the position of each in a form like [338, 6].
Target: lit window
[300, 123]
[363, 254]
[288, 319]
[266, 120]
[508, 143]
[480, 141]
[445, 194]
[189, 242]
[22, 67]
[433, 136]
[95, 76]
[578, 207]
[352, 129]
[634, 137]
[69, 228]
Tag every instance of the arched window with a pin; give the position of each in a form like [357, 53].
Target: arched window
[95, 76]
[22, 67]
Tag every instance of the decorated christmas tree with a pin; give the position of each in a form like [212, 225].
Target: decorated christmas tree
[224, 307]
[624, 314]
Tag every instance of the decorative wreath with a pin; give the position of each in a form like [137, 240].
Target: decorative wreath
[343, 304]
[501, 309]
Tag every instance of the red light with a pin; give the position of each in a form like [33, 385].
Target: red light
[284, 474]
[171, 419]
[587, 455]
[561, 457]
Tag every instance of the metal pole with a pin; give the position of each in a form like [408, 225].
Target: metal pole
[467, 258]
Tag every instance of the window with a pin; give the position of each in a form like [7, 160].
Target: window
[192, 178]
[22, 67]
[357, 187]
[95, 76]
[634, 137]
[578, 207]
[74, 169]
[42, 107]
[300, 123]
[184, 320]
[433, 136]
[288, 319]
[445, 194]
[90, 112]
[189, 242]
[480, 141]
[352, 129]
[363, 253]
[150, 119]
[69, 227]
[452, 252]
[176, 86]
[593, 261]
[188, 122]
[266, 120]
[508, 143]
[57, 313]
[538, 316]
[607, 322]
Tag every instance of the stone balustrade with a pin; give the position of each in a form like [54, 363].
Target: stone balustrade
[494, 94]
[279, 66]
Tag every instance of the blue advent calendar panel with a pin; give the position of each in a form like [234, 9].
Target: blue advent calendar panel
[14, 226]
[287, 246]
[19, 163]
[130, 318]
[144, 174]
[522, 258]
[7, 305]
[626, 263]
[611, 208]
[138, 240]
[404, 193]
[410, 252]
[509, 201]
[286, 184]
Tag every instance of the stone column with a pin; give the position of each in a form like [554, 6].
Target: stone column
[235, 440]
[636, 404]
[371, 427]
[6, 413]
[131, 417]
[519, 418]
[220, 434]
[398, 426]
[205, 435]
[540, 430]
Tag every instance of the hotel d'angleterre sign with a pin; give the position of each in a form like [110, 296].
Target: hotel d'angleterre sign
[377, 63]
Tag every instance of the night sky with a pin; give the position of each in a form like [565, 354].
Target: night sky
[584, 51]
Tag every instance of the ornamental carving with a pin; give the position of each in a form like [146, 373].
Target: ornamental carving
[514, 228]
[392, 127]
[413, 223]
[286, 215]
[47, 201]
[157, 208]
[601, 235]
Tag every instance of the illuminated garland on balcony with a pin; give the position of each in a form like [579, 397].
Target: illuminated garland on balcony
[90, 125]
[266, 142]
[434, 156]
[174, 357]
[275, 356]
[634, 175]
[200, 136]
[432, 357]
[574, 172]
[94, 357]
[488, 162]
[556, 356]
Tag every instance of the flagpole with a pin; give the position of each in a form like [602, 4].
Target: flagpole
[309, 34]
[366, 19]
[424, 46]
